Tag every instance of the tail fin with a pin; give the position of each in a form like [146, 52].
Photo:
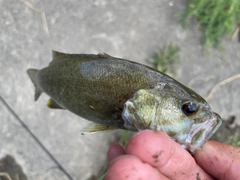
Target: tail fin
[31, 74]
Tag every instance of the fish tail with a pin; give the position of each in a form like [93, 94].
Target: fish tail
[31, 74]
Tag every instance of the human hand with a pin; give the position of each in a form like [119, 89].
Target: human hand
[155, 156]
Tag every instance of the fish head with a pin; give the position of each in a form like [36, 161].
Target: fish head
[174, 109]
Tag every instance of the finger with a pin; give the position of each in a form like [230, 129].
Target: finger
[114, 151]
[130, 167]
[160, 151]
[220, 160]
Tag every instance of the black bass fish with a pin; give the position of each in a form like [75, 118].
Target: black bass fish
[117, 93]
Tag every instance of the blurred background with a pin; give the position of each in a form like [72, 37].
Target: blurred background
[40, 143]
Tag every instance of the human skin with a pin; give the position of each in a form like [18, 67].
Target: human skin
[153, 155]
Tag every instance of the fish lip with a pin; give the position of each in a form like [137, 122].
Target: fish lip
[207, 128]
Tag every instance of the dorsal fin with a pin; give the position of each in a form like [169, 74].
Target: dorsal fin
[104, 55]
[58, 55]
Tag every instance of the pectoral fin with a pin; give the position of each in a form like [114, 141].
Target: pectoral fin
[52, 104]
[93, 128]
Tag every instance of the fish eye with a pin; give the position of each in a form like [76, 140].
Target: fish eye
[189, 109]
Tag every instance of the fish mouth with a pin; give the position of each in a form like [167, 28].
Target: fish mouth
[202, 132]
